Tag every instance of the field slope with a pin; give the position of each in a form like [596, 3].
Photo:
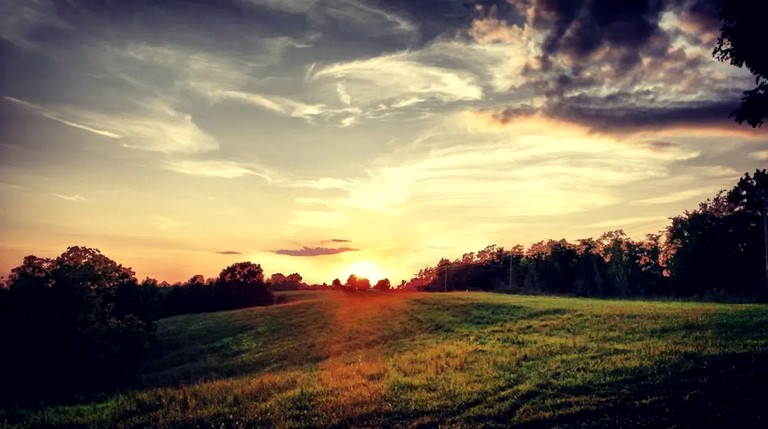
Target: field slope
[448, 360]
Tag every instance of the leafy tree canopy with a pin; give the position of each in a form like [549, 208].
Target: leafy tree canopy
[743, 43]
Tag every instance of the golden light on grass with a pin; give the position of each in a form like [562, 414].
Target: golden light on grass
[326, 359]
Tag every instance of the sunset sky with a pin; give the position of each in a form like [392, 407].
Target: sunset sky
[327, 136]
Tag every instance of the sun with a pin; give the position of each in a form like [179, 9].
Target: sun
[366, 269]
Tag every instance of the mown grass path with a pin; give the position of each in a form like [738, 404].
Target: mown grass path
[327, 359]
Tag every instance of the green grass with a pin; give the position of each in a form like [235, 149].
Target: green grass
[448, 360]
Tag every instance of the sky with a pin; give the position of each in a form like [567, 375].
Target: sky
[330, 137]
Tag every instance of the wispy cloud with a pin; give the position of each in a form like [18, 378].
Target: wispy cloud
[223, 79]
[674, 197]
[327, 183]
[11, 186]
[165, 224]
[288, 107]
[73, 198]
[623, 223]
[228, 252]
[361, 15]
[317, 251]
[369, 19]
[19, 21]
[155, 126]
[52, 114]
[219, 168]
[337, 240]
[395, 78]
[290, 6]
[760, 155]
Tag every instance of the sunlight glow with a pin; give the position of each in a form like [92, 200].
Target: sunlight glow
[365, 269]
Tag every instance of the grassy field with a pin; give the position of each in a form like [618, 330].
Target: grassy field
[447, 360]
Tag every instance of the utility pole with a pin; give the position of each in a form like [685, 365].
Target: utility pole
[445, 284]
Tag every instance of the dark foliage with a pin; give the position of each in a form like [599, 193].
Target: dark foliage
[240, 285]
[81, 323]
[720, 246]
[742, 43]
[70, 325]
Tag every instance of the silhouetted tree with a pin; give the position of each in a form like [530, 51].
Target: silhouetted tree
[591, 277]
[295, 281]
[242, 285]
[71, 325]
[719, 246]
[196, 295]
[336, 284]
[351, 283]
[363, 284]
[383, 285]
[744, 42]
[551, 266]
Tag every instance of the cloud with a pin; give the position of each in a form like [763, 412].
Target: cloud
[160, 128]
[674, 197]
[290, 6]
[221, 79]
[619, 68]
[363, 17]
[288, 107]
[52, 114]
[228, 252]
[659, 146]
[73, 198]
[604, 117]
[317, 251]
[579, 30]
[636, 118]
[337, 240]
[155, 126]
[219, 168]
[422, 81]
[621, 223]
[533, 170]
[20, 22]
[395, 78]
[327, 183]
[761, 155]
[493, 30]
[368, 19]
[11, 186]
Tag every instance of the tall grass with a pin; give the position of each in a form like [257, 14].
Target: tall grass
[453, 360]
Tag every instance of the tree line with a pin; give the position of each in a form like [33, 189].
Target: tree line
[82, 322]
[716, 249]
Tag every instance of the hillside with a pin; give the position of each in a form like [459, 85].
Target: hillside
[327, 359]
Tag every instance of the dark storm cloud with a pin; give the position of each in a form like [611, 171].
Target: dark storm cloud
[629, 118]
[610, 66]
[600, 117]
[317, 251]
[581, 35]
[578, 29]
